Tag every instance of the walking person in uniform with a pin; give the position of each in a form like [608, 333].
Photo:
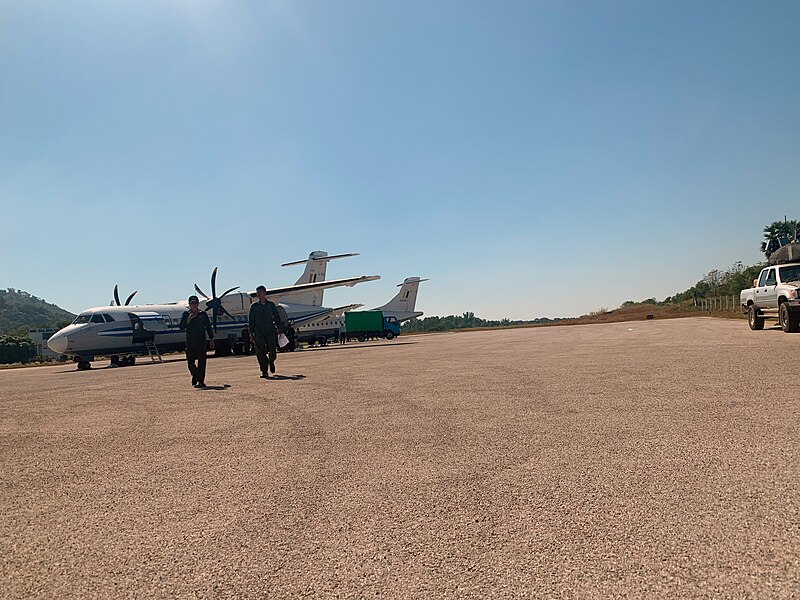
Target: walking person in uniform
[265, 325]
[196, 324]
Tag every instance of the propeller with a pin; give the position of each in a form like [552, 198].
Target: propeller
[116, 297]
[215, 302]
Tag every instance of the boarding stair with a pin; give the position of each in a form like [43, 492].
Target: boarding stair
[152, 350]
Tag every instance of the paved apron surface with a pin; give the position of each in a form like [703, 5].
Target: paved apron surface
[649, 459]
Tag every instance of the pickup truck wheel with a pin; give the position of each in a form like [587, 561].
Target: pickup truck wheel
[790, 321]
[753, 319]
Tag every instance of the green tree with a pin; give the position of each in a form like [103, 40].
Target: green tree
[16, 349]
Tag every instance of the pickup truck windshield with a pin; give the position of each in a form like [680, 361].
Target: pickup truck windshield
[791, 273]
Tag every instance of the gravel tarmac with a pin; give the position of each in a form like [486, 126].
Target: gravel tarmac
[642, 459]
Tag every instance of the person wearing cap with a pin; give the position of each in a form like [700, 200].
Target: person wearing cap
[265, 325]
[196, 324]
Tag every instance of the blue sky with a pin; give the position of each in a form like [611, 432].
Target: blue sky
[531, 158]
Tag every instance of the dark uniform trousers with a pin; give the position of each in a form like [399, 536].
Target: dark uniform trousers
[266, 349]
[196, 352]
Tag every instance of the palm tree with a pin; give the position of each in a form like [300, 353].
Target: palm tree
[775, 231]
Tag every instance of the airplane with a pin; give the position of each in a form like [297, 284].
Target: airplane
[128, 330]
[401, 307]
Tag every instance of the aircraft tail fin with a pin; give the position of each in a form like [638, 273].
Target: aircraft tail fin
[316, 267]
[404, 303]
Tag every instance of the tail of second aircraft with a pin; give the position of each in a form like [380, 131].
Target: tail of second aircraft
[316, 267]
[403, 305]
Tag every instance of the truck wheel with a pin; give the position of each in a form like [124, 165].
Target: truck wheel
[389, 335]
[753, 319]
[790, 320]
[362, 337]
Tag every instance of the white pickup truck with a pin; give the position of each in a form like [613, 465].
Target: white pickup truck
[776, 294]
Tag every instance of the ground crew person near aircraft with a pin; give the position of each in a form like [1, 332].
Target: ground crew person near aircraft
[265, 325]
[196, 324]
[246, 340]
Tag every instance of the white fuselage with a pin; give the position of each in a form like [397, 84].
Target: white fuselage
[108, 330]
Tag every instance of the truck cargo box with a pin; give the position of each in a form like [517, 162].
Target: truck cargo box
[363, 320]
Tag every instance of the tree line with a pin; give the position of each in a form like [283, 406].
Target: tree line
[737, 277]
[16, 349]
[467, 320]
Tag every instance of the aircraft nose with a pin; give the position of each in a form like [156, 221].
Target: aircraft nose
[58, 343]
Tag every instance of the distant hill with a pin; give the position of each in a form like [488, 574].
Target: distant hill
[20, 311]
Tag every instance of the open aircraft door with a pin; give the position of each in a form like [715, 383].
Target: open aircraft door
[147, 325]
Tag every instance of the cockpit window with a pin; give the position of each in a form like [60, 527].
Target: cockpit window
[98, 319]
[82, 319]
[108, 318]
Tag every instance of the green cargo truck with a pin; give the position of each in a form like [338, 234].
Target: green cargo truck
[370, 323]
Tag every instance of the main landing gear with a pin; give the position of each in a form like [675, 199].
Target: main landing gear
[123, 361]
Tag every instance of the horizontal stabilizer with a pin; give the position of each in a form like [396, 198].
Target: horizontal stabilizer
[412, 280]
[319, 258]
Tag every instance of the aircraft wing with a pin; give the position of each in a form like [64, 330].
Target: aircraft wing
[338, 312]
[323, 314]
[312, 317]
[319, 285]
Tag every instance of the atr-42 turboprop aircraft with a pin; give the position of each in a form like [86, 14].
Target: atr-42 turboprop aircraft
[125, 331]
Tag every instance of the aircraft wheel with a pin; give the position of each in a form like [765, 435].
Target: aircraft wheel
[84, 365]
[114, 360]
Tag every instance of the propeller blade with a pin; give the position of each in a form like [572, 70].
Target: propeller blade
[214, 282]
[116, 295]
[128, 301]
[201, 292]
[215, 321]
[228, 292]
[227, 313]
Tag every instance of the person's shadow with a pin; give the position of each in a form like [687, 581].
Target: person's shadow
[288, 377]
[216, 387]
